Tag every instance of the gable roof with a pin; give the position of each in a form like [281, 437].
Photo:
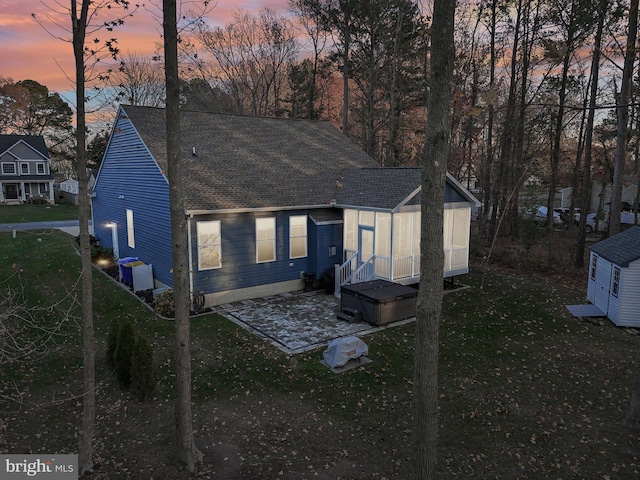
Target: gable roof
[244, 162]
[382, 188]
[34, 141]
[391, 188]
[621, 249]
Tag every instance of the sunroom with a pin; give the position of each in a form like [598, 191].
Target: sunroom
[383, 241]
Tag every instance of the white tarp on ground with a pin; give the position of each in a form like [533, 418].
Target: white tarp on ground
[341, 350]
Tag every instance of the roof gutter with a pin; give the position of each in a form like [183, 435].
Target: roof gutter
[193, 213]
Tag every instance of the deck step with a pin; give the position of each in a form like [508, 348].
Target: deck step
[350, 315]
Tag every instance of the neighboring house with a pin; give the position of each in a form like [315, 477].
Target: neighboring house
[614, 277]
[266, 202]
[68, 189]
[601, 195]
[25, 174]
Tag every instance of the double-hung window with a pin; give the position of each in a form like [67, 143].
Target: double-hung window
[265, 239]
[209, 245]
[615, 288]
[298, 236]
[40, 168]
[9, 168]
[24, 168]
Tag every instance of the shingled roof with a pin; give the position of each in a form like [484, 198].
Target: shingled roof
[375, 188]
[621, 249]
[390, 188]
[34, 141]
[245, 162]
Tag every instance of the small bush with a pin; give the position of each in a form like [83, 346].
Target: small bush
[164, 305]
[112, 342]
[142, 379]
[124, 350]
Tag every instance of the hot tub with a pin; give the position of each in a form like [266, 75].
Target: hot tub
[379, 301]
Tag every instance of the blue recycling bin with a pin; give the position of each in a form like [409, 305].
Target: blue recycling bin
[126, 274]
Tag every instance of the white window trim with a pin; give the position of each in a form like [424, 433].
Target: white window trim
[593, 268]
[305, 236]
[6, 164]
[44, 168]
[271, 239]
[217, 242]
[22, 165]
[131, 238]
[615, 284]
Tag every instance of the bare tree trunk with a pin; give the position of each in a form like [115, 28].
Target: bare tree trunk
[429, 303]
[562, 96]
[86, 434]
[487, 177]
[585, 192]
[622, 112]
[187, 452]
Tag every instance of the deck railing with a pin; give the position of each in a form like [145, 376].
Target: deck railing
[455, 258]
[402, 267]
[344, 272]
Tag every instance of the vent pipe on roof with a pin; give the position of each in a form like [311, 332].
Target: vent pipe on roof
[193, 152]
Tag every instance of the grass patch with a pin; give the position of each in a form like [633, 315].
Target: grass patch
[526, 391]
[37, 213]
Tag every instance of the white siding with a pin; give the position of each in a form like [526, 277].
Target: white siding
[629, 298]
[614, 301]
[591, 284]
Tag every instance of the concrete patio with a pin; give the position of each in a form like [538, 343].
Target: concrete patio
[296, 322]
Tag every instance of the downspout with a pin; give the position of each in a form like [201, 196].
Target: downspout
[190, 253]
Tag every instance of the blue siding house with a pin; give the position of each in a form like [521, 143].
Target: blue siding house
[266, 201]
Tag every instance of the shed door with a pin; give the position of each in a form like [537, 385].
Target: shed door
[603, 282]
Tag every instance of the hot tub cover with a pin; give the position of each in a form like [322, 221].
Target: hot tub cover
[341, 350]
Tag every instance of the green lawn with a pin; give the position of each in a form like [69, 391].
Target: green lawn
[37, 213]
[526, 391]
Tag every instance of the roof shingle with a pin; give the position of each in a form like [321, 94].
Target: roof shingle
[621, 249]
[244, 162]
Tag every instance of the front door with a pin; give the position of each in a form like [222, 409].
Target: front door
[11, 192]
[366, 244]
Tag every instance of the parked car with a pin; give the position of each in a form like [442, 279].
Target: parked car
[541, 217]
[602, 224]
[593, 225]
[564, 214]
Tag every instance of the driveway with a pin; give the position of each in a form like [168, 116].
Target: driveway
[69, 226]
[296, 322]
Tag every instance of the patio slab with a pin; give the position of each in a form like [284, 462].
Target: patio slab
[297, 322]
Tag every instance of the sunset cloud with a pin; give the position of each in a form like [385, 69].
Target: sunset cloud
[29, 52]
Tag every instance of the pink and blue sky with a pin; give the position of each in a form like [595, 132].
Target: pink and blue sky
[29, 52]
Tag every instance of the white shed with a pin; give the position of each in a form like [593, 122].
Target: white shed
[69, 186]
[614, 277]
